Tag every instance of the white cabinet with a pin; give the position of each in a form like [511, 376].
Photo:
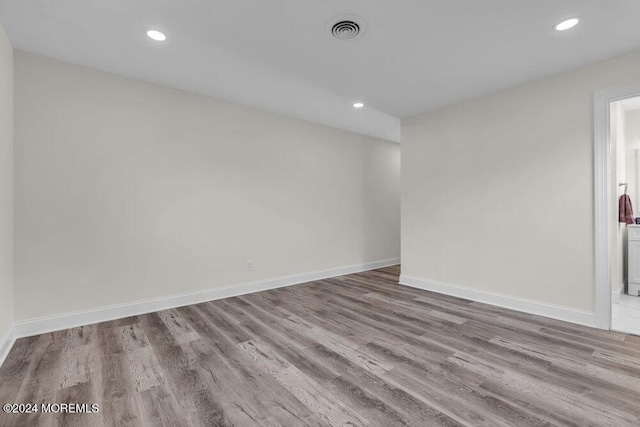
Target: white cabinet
[634, 260]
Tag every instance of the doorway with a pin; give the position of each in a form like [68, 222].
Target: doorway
[624, 137]
[616, 180]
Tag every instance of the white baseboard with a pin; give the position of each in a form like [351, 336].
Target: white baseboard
[6, 342]
[103, 314]
[616, 295]
[568, 314]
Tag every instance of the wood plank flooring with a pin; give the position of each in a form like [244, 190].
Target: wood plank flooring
[352, 350]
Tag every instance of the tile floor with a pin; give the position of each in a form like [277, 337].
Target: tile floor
[625, 316]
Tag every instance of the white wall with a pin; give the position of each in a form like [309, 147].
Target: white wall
[6, 185]
[497, 192]
[128, 191]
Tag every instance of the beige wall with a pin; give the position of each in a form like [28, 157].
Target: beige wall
[6, 184]
[129, 191]
[497, 192]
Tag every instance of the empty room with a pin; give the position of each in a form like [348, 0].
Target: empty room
[319, 213]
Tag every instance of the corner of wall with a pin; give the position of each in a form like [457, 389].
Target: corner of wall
[7, 285]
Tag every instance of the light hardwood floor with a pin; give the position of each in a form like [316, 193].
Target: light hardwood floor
[352, 350]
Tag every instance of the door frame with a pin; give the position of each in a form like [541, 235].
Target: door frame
[602, 197]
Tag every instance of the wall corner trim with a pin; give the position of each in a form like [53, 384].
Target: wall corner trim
[567, 314]
[6, 343]
[103, 314]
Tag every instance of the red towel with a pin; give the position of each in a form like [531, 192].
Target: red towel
[625, 211]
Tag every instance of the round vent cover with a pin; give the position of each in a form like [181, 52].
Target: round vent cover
[345, 30]
[346, 27]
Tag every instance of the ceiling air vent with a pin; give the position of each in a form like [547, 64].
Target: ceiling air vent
[345, 30]
[346, 27]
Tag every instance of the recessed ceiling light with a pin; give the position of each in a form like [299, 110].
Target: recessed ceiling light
[358, 105]
[567, 24]
[156, 35]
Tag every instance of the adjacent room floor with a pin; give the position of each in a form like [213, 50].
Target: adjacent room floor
[352, 350]
[625, 315]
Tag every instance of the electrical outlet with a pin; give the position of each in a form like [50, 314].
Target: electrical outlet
[249, 265]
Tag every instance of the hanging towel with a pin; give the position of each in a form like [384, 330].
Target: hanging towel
[625, 211]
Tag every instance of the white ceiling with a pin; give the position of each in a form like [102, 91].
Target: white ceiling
[417, 55]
